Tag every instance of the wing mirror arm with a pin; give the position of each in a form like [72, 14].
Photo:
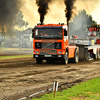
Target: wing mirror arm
[33, 33]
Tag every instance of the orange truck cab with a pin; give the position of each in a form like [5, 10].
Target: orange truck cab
[50, 43]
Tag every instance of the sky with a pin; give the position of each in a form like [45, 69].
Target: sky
[96, 13]
[56, 12]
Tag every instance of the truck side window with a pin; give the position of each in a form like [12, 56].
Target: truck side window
[65, 32]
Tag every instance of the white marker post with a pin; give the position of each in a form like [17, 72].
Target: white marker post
[55, 87]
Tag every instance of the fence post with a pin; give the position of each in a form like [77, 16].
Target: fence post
[55, 87]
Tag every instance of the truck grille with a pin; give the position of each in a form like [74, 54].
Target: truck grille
[48, 52]
[48, 45]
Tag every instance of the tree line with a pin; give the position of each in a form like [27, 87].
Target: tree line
[79, 24]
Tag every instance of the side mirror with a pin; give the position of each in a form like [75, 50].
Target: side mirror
[32, 33]
[65, 32]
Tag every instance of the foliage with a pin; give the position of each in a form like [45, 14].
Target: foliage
[19, 20]
[10, 28]
[79, 24]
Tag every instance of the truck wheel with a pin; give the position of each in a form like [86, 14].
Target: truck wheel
[38, 61]
[76, 56]
[98, 54]
[88, 56]
[65, 59]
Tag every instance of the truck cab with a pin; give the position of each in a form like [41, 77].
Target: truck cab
[50, 43]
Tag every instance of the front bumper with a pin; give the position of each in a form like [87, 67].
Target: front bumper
[49, 56]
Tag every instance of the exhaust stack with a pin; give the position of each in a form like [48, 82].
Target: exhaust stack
[42, 8]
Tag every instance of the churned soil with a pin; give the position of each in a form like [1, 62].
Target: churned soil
[21, 77]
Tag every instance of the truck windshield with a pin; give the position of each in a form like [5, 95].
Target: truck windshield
[50, 33]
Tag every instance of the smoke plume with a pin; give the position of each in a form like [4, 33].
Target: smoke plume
[69, 6]
[8, 11]
[43, 8]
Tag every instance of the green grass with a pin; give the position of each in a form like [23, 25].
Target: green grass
[14, 49]
[89, 90]
[16, 56]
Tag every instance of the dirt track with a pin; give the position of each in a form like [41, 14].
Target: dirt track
[16, 52]
[22, 77]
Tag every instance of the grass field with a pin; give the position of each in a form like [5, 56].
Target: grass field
[17, 56]
[89, 90]
[14, 49]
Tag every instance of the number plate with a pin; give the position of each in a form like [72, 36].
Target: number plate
[47, 55]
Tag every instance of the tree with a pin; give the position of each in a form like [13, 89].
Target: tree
[17, 24]
[79, 24]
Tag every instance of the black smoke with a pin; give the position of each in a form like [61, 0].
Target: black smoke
[8, 11]
[69, 6]
[43, 8]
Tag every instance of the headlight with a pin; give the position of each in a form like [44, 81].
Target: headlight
[58, 45]
[38, 45]
[36, 52]
[59, 55]
[59, 52]
[36, 55]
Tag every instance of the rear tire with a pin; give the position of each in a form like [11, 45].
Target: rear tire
[65, 59]
[87, 57]
[39, 61]
[98, 56]
[76, 56]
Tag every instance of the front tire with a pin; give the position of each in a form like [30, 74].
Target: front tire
[65, 59]
[98, 54]
[38, 61]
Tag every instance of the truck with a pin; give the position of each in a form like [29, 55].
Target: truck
[51, 43]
